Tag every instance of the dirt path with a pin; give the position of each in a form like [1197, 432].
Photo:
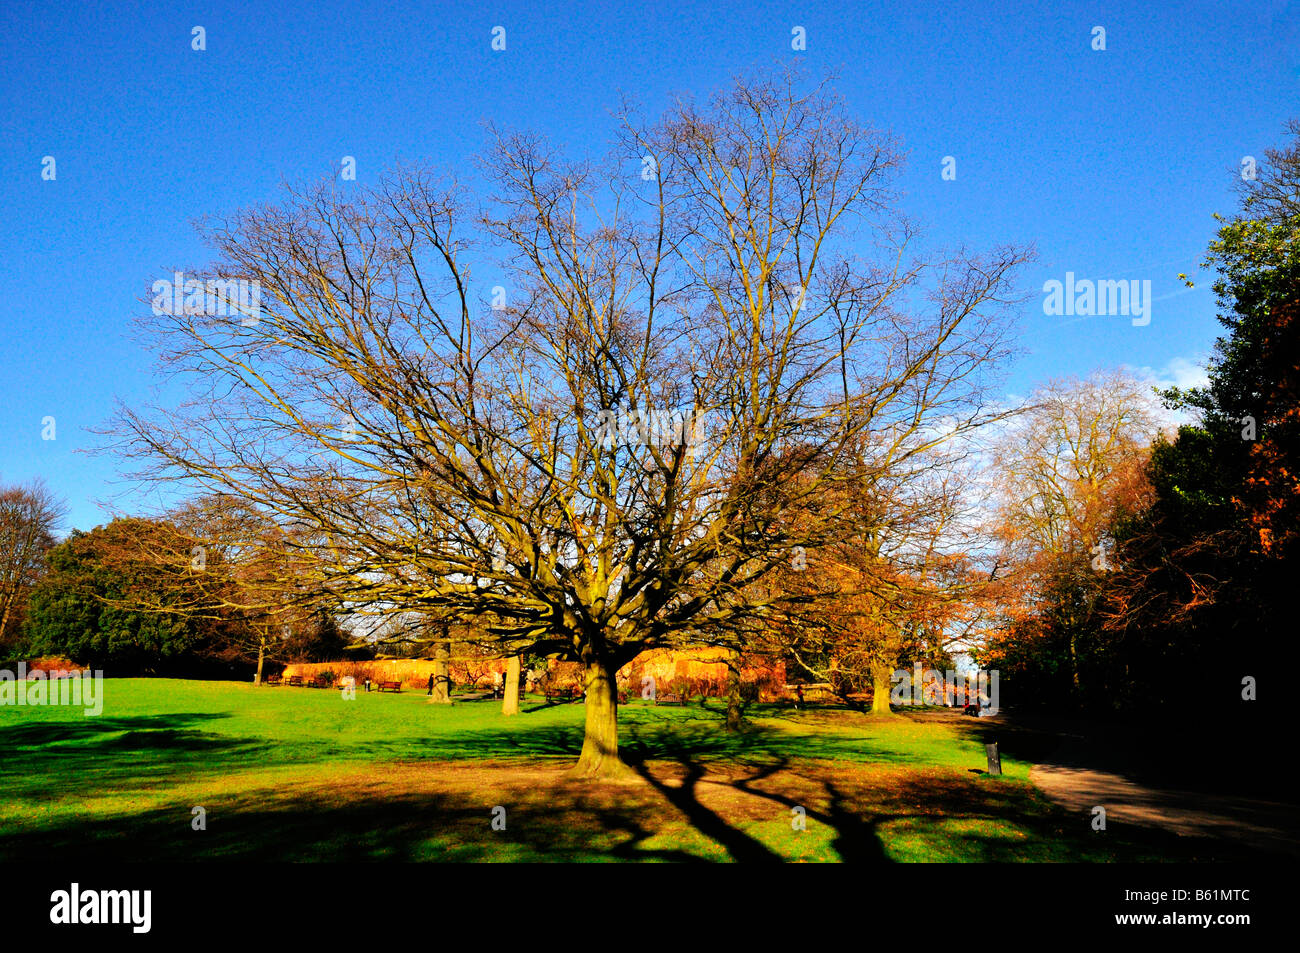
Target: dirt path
[1152, 777]
[1267, 824]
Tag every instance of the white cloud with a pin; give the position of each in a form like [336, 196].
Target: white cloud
[1178, 372]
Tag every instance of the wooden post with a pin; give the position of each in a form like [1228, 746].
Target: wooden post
[995, 761]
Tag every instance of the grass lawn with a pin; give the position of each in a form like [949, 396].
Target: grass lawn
[301, 774]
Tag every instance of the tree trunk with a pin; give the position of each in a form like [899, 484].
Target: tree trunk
[510, 700]
[881, 685]
[261, 657]
[441, 675]
[735, 708]
[599, 758]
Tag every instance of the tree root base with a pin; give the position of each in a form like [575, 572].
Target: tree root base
[604, 770]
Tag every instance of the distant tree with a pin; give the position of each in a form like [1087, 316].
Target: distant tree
[91, 604]
[29, 518]
[1065, 473]
[228, 563]
[897, 582]
[320, 639]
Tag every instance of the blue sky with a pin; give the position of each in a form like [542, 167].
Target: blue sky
[1110, 162]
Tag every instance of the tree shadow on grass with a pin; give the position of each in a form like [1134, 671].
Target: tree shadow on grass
[942, 815]
[374, 823]
[684, 798]
[92, 730]
[727, 787]
[382, 815]
[754, 751]
[105, 753]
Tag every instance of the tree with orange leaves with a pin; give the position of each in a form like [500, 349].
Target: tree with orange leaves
[1066, 472]
[896, 584]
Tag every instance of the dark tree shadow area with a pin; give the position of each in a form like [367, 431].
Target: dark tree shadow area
[1195, 750]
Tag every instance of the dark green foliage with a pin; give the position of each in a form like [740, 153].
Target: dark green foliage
[81, 608]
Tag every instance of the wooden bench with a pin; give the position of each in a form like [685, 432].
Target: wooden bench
[669, 698]
[390, 686]
[295, 680]
[565, 692]
[271, 680]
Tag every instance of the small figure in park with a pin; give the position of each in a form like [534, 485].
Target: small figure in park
[799, 691]
[430, 684]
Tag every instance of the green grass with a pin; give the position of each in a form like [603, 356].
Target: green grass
[301, 774]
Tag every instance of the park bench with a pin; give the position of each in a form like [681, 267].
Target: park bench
[669, 698]
[565, 692]
[390, 686]
[271, 680]
[317, 682]
[295, 680]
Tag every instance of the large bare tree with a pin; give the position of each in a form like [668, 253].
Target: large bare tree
[1056, 466]
[584, 406]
